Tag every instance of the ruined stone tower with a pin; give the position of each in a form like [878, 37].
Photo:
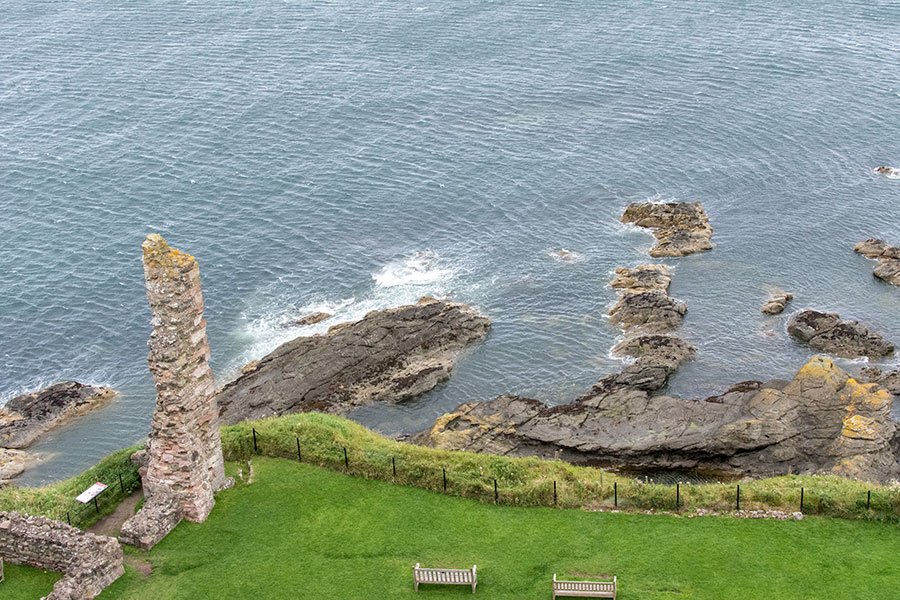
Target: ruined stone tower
[185, 464]
[185, 451]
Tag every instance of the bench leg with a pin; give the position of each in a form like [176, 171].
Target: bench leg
[417, 586]
[473, 587]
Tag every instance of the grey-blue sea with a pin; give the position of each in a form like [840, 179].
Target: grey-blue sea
[348, 156]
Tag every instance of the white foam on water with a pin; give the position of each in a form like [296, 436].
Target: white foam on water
[565, 256]
[400, 282]
[419, 269]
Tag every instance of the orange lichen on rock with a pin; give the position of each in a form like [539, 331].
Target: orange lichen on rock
[159, 254]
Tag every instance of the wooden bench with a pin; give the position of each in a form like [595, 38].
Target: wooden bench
[584, 589]
[445, 576]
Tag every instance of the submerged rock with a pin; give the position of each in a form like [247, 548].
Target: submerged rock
[24, 418]
[389, 355]
[891, 172]
[681, 228]
[775, 305]
[822, 421]
[888, 257]
[307, 320]
[848, 339]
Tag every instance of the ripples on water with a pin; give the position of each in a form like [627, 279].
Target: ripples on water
[305, 152]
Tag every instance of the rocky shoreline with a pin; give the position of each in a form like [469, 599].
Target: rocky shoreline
[389, 355]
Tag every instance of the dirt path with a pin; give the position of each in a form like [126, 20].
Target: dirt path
[111, 524]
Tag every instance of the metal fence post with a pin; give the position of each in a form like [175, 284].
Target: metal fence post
[739, 497]
[554, 492]
[677, 495]
[801, 499]
[444, 471]
[255, 448]
[495, 492]
[868, 499]
[616, 494]
[394, 466]
[121, 485]
[299, 456]
[346, 460]
[68, 519]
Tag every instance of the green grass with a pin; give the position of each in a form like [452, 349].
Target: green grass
[26, 583]
[300, 531]
[529, 481]
[55, 500]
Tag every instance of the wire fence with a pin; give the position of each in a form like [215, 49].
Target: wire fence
[617, 492]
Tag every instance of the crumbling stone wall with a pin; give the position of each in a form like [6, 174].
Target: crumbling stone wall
[185, 453]
[88, 562]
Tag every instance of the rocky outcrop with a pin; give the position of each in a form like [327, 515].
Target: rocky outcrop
[12, 464]
[644, 304]
[24, 418]
[822, 421]
[88, 562]
[888, 257]
[775, 305]
[680, 228]
[307, 320]
[184, 455]
[848, 339]
[889, 381]
[389, 355]
[891, 172]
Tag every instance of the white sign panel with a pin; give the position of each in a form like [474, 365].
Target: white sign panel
[90, 493]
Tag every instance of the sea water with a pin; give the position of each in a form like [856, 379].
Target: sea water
[346, 156]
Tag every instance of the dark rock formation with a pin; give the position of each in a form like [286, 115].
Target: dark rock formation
[658, 356]
[888, 257]
[24, 418]
[889, 381]
[307, 320]
[642, 278]
[644, 304]
[775, 305]
[88, 562]
[826, 332]
[822, 421]
[681, 228]
[389, 355]
[892, 172]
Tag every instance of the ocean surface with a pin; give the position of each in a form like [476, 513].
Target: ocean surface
[349, 156]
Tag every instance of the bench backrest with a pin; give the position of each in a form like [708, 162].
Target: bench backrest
[584, 586]
[461, 576]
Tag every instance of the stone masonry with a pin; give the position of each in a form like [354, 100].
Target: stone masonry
[185, 453]
[88, 562]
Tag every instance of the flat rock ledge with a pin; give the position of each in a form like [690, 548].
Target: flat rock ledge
[776, 304]
[827, 333]
[25, 418]
[823, 421]
[389, 355]
[680, 228]
[12, 464]
[888, 257]
[644, 303]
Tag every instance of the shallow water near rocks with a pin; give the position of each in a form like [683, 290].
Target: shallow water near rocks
[343, 156]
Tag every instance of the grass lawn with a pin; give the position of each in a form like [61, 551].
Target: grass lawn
[304, 532]
[26, 583]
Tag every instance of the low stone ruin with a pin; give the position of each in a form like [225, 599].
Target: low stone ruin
[88, 562]
[184, 464]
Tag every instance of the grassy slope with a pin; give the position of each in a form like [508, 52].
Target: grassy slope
[26, 583]
[304, 532]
